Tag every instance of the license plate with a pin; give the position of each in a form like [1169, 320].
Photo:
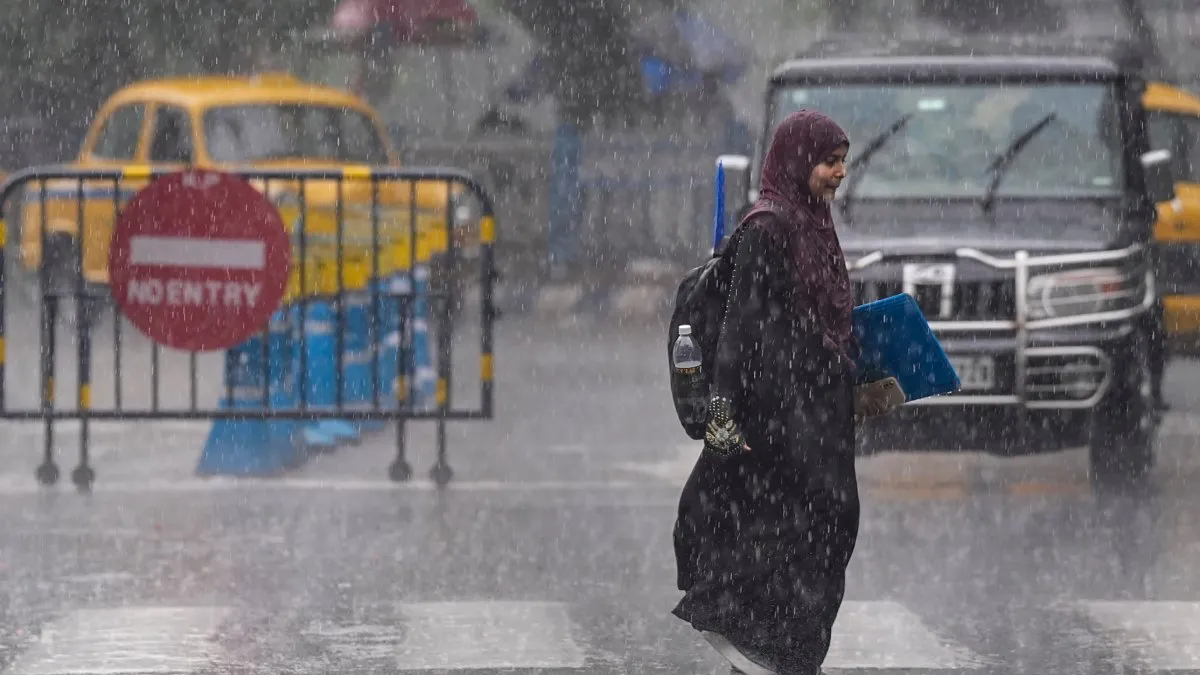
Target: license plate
[977, 373]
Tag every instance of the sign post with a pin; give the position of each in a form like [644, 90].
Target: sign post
[199, 261]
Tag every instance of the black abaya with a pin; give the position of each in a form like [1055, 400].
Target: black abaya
[762, 539]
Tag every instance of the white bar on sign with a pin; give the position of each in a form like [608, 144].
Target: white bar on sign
[238, 254]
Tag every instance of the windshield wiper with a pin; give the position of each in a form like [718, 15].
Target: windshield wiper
[860, 162]
[1000, 165]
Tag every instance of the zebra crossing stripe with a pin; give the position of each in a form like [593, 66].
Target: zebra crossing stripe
[1157, 635]
[885, 635]
[466, 635]
[123, 641]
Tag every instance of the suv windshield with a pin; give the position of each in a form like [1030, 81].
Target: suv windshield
[957, 130]
[246, 133]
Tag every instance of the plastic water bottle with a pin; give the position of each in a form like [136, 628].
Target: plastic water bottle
[685, 358]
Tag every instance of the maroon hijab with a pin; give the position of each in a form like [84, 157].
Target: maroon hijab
[804, 226]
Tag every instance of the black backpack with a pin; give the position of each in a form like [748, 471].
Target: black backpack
[700, 301]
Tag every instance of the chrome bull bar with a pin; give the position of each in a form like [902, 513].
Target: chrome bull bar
[1020, 326]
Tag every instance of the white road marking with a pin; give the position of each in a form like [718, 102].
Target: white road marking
[361, 641]
[675, 469]
[1158, 635]
[124, 640]
[465, 635]
[99, 578]
[569, 449]
[24, 484]
[877, 635]
[1179, 424]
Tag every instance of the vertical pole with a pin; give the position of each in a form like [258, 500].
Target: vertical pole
[374, 332]
[116, 190]
[719, 208]
[47, 472]
[302, 232]
[487, 237]
[441, 472]
[3, 297]
[564, 194]
[83, 475]
[340, 306]
[266, 344]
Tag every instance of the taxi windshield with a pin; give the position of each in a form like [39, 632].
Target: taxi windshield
[955, 132]
[247, 133]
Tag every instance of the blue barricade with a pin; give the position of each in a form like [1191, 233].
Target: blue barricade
[302, 344]
[250, 446]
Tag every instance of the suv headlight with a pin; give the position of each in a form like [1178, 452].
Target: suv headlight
[1084, 291]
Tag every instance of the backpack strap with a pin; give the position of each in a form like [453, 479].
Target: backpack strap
[729, 245]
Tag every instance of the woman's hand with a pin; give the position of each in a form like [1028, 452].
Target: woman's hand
[877, 398]
[722, 436]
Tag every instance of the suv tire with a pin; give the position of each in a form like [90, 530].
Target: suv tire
[1125, 422]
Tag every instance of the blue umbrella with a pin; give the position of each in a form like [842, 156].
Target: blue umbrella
[679, 49]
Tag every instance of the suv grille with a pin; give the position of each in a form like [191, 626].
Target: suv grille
[973, 300]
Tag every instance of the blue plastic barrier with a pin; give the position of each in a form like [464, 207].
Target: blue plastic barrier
[425, 380]
[393, 383]
[249, 446]
[401, 387]
[252, 447]
[320, 347]
[357, 350]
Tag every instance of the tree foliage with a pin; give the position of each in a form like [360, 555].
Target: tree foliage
[63, 57]
[588, 44]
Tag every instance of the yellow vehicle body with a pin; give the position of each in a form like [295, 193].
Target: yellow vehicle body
[147, 110]
[1175, 123]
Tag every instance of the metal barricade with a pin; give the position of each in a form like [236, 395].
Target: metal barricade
[365, 336]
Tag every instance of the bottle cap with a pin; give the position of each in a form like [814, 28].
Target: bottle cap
[685, 329]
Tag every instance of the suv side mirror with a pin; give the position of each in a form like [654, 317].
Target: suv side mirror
[1160, 179]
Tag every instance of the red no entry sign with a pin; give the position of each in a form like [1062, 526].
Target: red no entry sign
[199, 260]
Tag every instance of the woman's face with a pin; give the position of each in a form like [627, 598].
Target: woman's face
[827, 176]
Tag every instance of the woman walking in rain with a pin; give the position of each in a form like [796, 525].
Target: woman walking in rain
[768, 518]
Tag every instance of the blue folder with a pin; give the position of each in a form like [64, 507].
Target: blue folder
[896, 341]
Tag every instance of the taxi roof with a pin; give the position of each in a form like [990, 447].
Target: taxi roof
[1163, 96]
[210, 90]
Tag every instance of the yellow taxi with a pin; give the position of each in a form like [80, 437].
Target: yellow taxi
[1174, 123]
[265, 122]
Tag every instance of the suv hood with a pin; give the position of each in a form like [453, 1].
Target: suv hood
[931, 228]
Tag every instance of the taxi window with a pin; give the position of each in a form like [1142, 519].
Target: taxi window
[119, 137]
[172, 140]
[1189, 166]
[1181, 135]
[247, 133]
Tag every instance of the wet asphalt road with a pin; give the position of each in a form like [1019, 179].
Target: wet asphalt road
[551, 550]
